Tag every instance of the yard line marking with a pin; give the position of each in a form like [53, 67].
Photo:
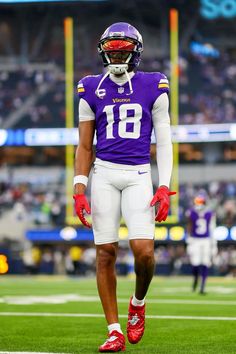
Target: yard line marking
[191, 302]
[27, 353]
[213, 289]
[65, 298]
[168, 317]
[202, 318]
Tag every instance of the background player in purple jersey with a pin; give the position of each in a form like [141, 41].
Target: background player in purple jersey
[201, 245]
[122, 107]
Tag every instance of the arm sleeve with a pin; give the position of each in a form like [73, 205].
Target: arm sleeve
[162, 130]
[85, 112]
[212, 224]
[214, 248]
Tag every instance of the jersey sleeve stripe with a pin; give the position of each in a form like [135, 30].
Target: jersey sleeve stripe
[163, 86]
[80, 88]
[162, 81]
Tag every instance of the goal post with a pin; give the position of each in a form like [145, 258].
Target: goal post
[69, 119]
[174, 110]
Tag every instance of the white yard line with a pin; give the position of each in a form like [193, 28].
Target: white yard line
[27, 353]
[65, 298]
[191, 302]
[52, 314]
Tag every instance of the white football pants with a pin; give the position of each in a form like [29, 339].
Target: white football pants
[116, 192]
[199, 251]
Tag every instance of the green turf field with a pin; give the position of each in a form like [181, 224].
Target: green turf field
[63, 315]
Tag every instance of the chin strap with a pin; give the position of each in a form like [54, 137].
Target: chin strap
[102, 92]
[130, 83]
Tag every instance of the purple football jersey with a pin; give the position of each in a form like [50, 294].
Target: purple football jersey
[200, 221]
[123, 120]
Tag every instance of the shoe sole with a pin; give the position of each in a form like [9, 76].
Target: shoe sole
[132, 342]
[112, 351]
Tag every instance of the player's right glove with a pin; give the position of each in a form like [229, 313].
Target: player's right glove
[81, 206]
[161, 198]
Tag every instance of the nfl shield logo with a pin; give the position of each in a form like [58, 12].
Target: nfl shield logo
[121, 89]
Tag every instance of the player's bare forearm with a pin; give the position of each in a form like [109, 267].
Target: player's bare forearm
[189, 227]
[83, 163]
[84, 153]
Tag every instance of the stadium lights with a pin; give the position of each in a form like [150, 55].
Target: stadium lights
[233, 233]
[68, 233]
[3, 137]
[162, 233]
[3, 264]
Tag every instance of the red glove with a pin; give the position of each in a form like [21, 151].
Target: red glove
[161, 198]
[81, 205]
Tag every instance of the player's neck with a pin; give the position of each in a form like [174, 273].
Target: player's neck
[121, 79]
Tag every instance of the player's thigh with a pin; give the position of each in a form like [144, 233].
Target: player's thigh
[194, 252]
[105, 207]
[206, 252]
[136, 209]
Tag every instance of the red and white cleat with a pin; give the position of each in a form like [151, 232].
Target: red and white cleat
[114, 343]
[136, 323]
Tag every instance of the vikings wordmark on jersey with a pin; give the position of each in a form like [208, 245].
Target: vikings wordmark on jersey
[124, 117]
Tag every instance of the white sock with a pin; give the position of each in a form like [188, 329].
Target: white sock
[114, 327]
[137, 302]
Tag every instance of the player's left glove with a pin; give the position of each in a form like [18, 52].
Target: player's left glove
[81, 206]
[161, 198]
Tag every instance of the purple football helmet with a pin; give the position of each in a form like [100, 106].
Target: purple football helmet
[120, 47]
[200, 200]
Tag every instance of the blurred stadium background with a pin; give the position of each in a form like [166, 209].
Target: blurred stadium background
[37, 231]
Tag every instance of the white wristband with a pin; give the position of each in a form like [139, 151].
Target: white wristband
[81, 179]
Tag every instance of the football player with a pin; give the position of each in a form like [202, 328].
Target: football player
[122, 107]
[201, 245]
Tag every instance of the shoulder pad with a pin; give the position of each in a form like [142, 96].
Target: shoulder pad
[87, 83]
[159, 79]
[84, 84]
[88, 76]
[80, 88]
[163, 82]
